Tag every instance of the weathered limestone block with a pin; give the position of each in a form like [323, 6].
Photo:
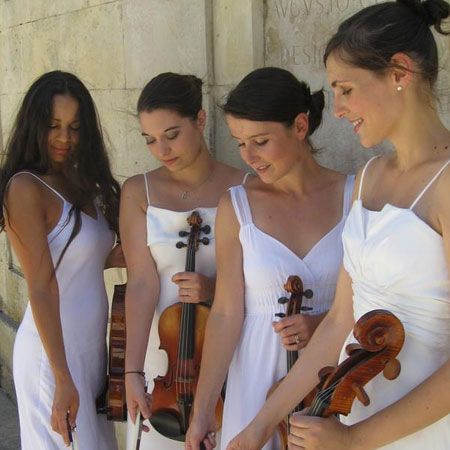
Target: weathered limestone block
[13, 13]
[162, 36]
[238, 39]
[87, 42]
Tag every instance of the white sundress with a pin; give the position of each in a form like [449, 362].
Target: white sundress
[84, 317]
[397, 262]
[259, 360]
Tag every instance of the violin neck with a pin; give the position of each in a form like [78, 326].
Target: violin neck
[186, 344]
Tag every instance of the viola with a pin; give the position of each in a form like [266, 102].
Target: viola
[113, 400]
[181, 331]
[380, 336]
[294, 305]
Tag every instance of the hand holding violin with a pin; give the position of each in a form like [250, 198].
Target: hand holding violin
[137, 398]
[201, 431]
[194, 287]
[295, 331]
[314, 433]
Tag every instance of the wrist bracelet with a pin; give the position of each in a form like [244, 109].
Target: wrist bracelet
[140, 372]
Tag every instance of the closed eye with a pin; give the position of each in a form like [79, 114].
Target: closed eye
[261, 143]
[346, 91]
[149, 140]
[171, 136]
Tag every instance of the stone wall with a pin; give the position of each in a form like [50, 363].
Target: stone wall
[116, 46]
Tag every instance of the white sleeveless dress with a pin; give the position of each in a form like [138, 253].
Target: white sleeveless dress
[259, 360]
[397, 262]
[84, 316]
[163, 226]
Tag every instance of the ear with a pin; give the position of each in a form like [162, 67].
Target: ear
[301, 126]
[402, 71]
[201, 120]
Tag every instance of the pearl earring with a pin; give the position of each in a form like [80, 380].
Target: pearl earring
[399, 88]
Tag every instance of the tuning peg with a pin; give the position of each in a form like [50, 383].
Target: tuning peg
[206, 229]
[352, 348]
[308, 293]
[325, 371]
[204, 240]
[283, 300]
[181, 244]
[361, 394]
[306, 308]
[183, 233]
[280, 315]
[392, 369]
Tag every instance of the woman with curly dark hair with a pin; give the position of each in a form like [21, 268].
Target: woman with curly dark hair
[60, 212]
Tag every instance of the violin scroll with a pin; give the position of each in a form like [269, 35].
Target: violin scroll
[381, 336]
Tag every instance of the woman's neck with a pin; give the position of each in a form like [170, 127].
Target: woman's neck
[420, 136]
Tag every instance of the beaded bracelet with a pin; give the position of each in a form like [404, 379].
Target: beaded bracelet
[140, 372]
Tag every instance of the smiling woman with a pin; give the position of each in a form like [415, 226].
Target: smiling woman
[60, 211]
[287, 221]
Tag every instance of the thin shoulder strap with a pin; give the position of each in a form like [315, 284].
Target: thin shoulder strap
[362, 175]
[414, 203]
[241, 205]
[245, 177]
[41, 180]
[348, 192]
[146, 189]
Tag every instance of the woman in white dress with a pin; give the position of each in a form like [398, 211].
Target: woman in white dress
[60, 210]
[382, 64]
[154, 209]
[287, 221]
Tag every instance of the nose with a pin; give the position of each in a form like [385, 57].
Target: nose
[249, 155]
[162, 148]
[339, 108]
[63, 135]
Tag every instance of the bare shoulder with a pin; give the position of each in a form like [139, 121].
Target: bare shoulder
[232, 175]
[25, 190]
[134, 189]
[226, 220]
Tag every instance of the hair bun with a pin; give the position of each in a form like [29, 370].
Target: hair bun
[315, 110]
[433, 12]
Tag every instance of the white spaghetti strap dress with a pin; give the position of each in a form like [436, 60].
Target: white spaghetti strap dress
[259, 360]
[397, 262]
[84, 315]
[163, 226]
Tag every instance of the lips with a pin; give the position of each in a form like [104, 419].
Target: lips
[169, 162]
[61, 151]
[357, 124]
[261, 169]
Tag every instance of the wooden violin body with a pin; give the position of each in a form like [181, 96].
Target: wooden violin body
[181, 331]
[380, 335]
[113, 401]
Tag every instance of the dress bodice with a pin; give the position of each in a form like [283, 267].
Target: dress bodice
[397, 262]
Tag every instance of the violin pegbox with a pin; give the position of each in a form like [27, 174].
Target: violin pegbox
[294, 286]
[195, 222]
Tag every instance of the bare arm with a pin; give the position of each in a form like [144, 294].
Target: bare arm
[224, 324]
[25, 206]
[142, 291]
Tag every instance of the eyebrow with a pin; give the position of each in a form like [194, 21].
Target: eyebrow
[175, 127]
[336, 82]
[253, 136]
[59, 120]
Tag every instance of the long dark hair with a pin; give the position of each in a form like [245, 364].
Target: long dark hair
[274, 95]
[88, 173]
[370, 38]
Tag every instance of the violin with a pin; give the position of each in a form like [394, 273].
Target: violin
[380, 336]
[294, 305]
[113, 400]
[181, 330]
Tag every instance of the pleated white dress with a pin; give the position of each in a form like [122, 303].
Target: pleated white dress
[397, 262]
[259, 360]
[163, 226]
[84, 316]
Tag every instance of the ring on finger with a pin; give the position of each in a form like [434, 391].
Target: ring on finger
[297, 339]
